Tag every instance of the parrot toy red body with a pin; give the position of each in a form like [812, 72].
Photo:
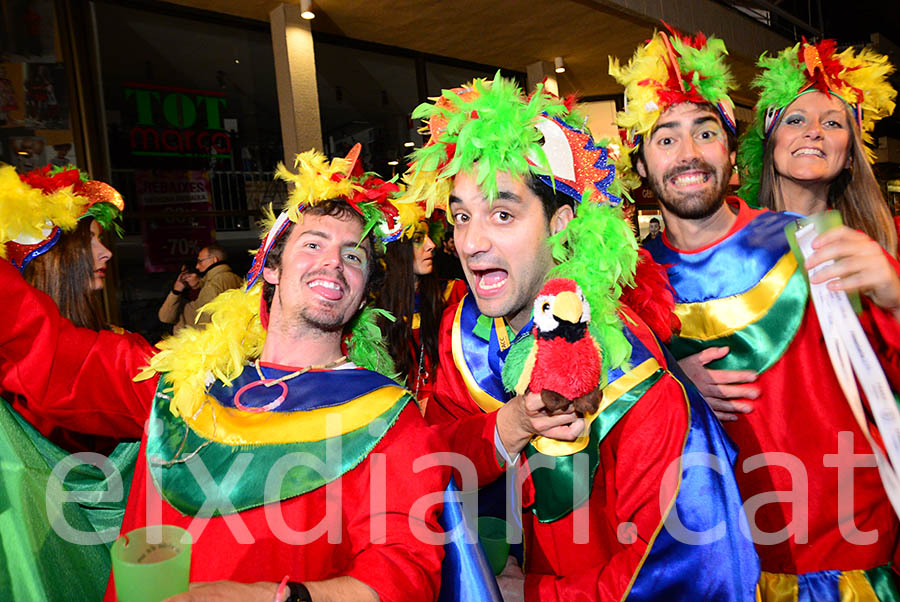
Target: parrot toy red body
[563, 363]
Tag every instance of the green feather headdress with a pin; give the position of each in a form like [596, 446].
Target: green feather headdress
[486, 125]
[859, 79]
[489, 127]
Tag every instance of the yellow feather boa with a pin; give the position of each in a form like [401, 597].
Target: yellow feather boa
[195, 357]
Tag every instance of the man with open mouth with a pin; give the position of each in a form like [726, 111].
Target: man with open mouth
[532, 197]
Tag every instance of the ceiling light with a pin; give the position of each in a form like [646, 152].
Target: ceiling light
[306, 10]
[392, 163]
[560, 65]
[409, 144]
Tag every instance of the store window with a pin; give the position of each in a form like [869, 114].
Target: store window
[35, 120]
[193, 129]
[367, 97]
[367, 93]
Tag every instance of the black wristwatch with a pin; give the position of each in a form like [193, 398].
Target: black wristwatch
[297, 592]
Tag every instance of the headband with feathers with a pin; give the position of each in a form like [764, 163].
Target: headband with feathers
[668, 70]
[858, 78]
[35, 207]
[489, 126]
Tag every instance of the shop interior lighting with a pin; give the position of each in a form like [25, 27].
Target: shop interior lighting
[560, 65]
[392, 163]
[409, 144]
[306, 10]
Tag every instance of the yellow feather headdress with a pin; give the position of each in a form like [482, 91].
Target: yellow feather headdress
[36, 206]
[671, 69]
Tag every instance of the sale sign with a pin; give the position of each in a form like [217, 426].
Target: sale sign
[173, 233]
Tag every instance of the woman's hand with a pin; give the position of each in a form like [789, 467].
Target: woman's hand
[860, 265]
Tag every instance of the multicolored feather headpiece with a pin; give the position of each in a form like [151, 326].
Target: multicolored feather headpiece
[196, 357]
[316, 180]
[668, 70]
[490, 127]
[407, 222]
[35, 207]
[859, 79]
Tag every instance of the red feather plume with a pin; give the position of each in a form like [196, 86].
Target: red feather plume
[652, 298]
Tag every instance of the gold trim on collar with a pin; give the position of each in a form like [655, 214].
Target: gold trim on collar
[502, 335]
[615, 390]
[481, 397]
[236, 427]
[717, 318]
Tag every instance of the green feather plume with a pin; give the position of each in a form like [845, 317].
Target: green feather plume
[366, 347]
[498, 141]
[708, 61]
[107, 216]
[599, 252]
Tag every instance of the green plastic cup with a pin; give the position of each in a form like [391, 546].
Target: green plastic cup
[492, 534]
[151, 563]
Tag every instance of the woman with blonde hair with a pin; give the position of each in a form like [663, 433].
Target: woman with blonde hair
[806, 153]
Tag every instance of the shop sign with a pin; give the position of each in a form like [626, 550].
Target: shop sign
[177, 122]
[177, 232]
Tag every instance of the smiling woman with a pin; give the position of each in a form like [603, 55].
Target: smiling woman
[415, 297]
[806, 151]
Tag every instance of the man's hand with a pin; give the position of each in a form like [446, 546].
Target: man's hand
[180, 282]
[721, 388]
[860, 265]
[525, 416]
[512, 582]
[228, 591]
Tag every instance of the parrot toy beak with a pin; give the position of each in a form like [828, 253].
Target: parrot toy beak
[567, 306]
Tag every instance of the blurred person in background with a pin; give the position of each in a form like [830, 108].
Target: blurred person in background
[415, 296]
[215, 277]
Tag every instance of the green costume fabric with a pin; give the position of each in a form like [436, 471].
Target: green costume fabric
[35, 562]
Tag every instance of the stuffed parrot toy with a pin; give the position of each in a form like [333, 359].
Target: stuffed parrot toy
[561, 361]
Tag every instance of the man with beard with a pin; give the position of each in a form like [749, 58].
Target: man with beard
[821, 521]
[534, 197]
[272, 431]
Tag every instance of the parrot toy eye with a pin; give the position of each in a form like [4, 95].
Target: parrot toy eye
[545, 307]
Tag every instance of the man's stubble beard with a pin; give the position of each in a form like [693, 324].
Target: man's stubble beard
[692, 206]
[303, 319]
